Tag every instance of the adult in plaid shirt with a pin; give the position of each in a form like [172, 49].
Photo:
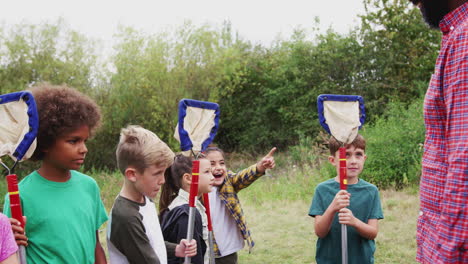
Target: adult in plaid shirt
[442, 232]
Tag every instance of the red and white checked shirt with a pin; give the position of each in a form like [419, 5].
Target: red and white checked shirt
[442, 233]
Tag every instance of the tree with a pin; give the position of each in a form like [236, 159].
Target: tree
[45, 53]
[400, 51]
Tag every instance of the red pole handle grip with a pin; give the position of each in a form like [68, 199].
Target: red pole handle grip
[15, 201]
[194, 185]
[206, 199]
[343, 178]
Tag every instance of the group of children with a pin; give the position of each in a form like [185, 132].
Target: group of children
[64, 210]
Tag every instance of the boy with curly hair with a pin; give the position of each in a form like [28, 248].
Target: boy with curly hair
[63, 206]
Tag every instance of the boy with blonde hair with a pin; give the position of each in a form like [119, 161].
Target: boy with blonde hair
[358, 207]
[134, 233]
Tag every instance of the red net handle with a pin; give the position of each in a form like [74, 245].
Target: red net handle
[194, 185]
[343, 179]
[206, 199]
[15, 202]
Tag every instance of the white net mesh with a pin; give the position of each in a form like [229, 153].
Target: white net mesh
[13, 126]
[198, 122]
[343, 119]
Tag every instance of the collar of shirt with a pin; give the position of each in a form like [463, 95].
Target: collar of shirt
[185, 195]
[453, 19]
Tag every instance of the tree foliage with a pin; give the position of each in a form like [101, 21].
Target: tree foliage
[51, 53]
[267, 95]
[400, 50]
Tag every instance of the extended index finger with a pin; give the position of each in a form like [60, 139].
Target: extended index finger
[272, 151]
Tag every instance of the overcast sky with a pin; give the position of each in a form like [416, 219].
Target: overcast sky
[259, 21]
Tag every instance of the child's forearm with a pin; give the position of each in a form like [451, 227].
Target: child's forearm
[260, 169]
[99, 255]
[369, 230]
[323, 222]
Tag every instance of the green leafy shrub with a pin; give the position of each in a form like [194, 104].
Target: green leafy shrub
[394, 146]
[267, 95]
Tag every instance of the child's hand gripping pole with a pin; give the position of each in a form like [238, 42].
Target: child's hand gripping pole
[192, 200]
[206, 199]
[343, 186]
[16, 211]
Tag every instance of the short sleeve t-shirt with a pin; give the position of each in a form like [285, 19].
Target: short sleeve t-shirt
[224, 226]
[134, 234]
[62, 218]
[7, 241]
[365, 205]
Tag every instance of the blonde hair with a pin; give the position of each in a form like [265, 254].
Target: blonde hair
[141, 148]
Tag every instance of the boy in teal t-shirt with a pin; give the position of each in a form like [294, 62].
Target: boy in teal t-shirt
[62, 218]
[358, 207]
[63, 207]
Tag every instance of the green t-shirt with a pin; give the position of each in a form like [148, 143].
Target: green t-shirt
[365, 205]
[62, 218]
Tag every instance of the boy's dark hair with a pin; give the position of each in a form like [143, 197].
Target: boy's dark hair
[334, 145]
[61, 109]
[173, 180]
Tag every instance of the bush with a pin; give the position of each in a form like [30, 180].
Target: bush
[395, 145]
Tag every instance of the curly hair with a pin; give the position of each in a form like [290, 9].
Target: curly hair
[61, 109]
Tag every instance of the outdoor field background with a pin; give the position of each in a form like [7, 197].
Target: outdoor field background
[277, 205]
[267, 96]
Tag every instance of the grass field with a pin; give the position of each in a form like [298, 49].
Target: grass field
[276, 208]
[284, 232]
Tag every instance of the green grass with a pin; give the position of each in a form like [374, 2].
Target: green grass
[284, 233]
